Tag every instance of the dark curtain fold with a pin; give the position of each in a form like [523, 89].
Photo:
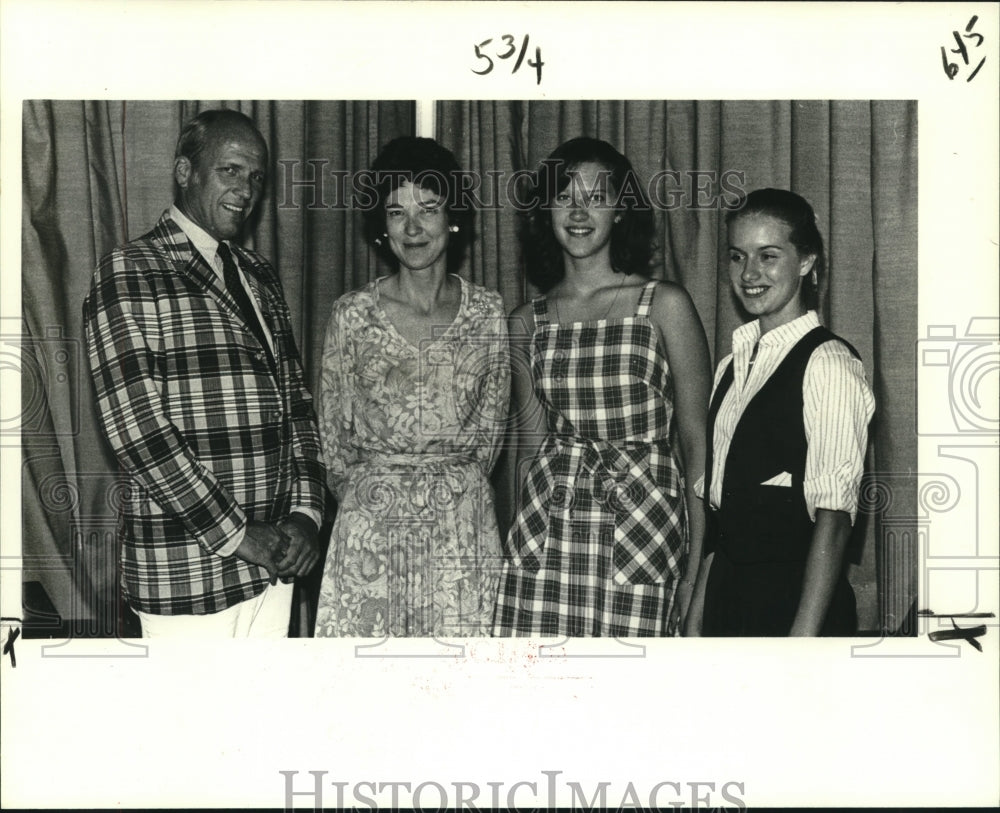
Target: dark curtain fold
[96, 174]
[486, 139]
[99, 173]
[893, 265]
[855, 161]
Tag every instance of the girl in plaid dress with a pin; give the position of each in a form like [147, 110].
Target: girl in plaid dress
[611, 383]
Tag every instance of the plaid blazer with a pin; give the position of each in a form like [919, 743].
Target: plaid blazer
[207, 433]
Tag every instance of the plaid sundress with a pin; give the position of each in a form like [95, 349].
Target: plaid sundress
[601, 530]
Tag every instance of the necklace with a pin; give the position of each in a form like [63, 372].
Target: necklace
[555, 305]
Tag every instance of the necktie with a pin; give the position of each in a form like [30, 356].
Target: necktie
[239, 293]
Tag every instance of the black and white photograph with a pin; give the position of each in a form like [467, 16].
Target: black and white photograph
[467, 333]
[145, 441]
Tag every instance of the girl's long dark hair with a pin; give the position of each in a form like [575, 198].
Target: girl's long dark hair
[631, 237]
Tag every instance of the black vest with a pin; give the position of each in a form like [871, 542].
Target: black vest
[758, 523]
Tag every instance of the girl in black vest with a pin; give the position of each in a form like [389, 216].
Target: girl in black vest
[788, 429]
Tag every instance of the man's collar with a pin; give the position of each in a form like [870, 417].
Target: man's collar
[201, 239]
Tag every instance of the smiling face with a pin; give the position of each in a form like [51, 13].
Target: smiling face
[220, 190]
[766, 270]
[416, 221]
[583, 214]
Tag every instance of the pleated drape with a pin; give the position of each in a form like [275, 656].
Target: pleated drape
[96, 174]
[486, 142]
[99, 173]
[855, 161]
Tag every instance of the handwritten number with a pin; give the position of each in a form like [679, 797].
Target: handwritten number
[968, 30]
[973, 74]
[961, 48]
[507, 38]
[950, 68]
[537, 64]
[520, 56]
[510, 44]
[481, 55]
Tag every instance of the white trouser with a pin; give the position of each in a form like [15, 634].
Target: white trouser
[263, 616]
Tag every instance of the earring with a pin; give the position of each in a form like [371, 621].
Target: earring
[378, 240]
[815, 279]
[618, 218]
[453, 229]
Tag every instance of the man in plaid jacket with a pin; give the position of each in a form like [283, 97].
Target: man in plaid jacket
[202, 397]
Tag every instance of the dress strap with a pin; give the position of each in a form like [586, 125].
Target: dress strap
[540, 307]
[646, 298]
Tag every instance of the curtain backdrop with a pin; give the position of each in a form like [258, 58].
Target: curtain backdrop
[96, 174]
[855, 161]
[99, 173]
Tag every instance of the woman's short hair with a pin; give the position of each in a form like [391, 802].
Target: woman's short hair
[631, 236]
[424, 162]
[796, 213]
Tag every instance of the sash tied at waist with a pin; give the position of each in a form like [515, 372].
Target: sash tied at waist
[608, 465]
[636, 484]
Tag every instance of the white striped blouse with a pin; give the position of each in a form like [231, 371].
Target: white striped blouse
[837, 407]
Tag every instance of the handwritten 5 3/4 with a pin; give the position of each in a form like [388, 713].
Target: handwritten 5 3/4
[509, 48]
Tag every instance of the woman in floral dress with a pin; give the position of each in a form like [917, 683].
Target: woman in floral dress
[611, 381]
[413, 399]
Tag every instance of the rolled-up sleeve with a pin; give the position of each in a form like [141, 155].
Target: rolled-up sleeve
[837, 408]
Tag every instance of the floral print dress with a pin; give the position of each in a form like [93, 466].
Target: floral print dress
[410, 435]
